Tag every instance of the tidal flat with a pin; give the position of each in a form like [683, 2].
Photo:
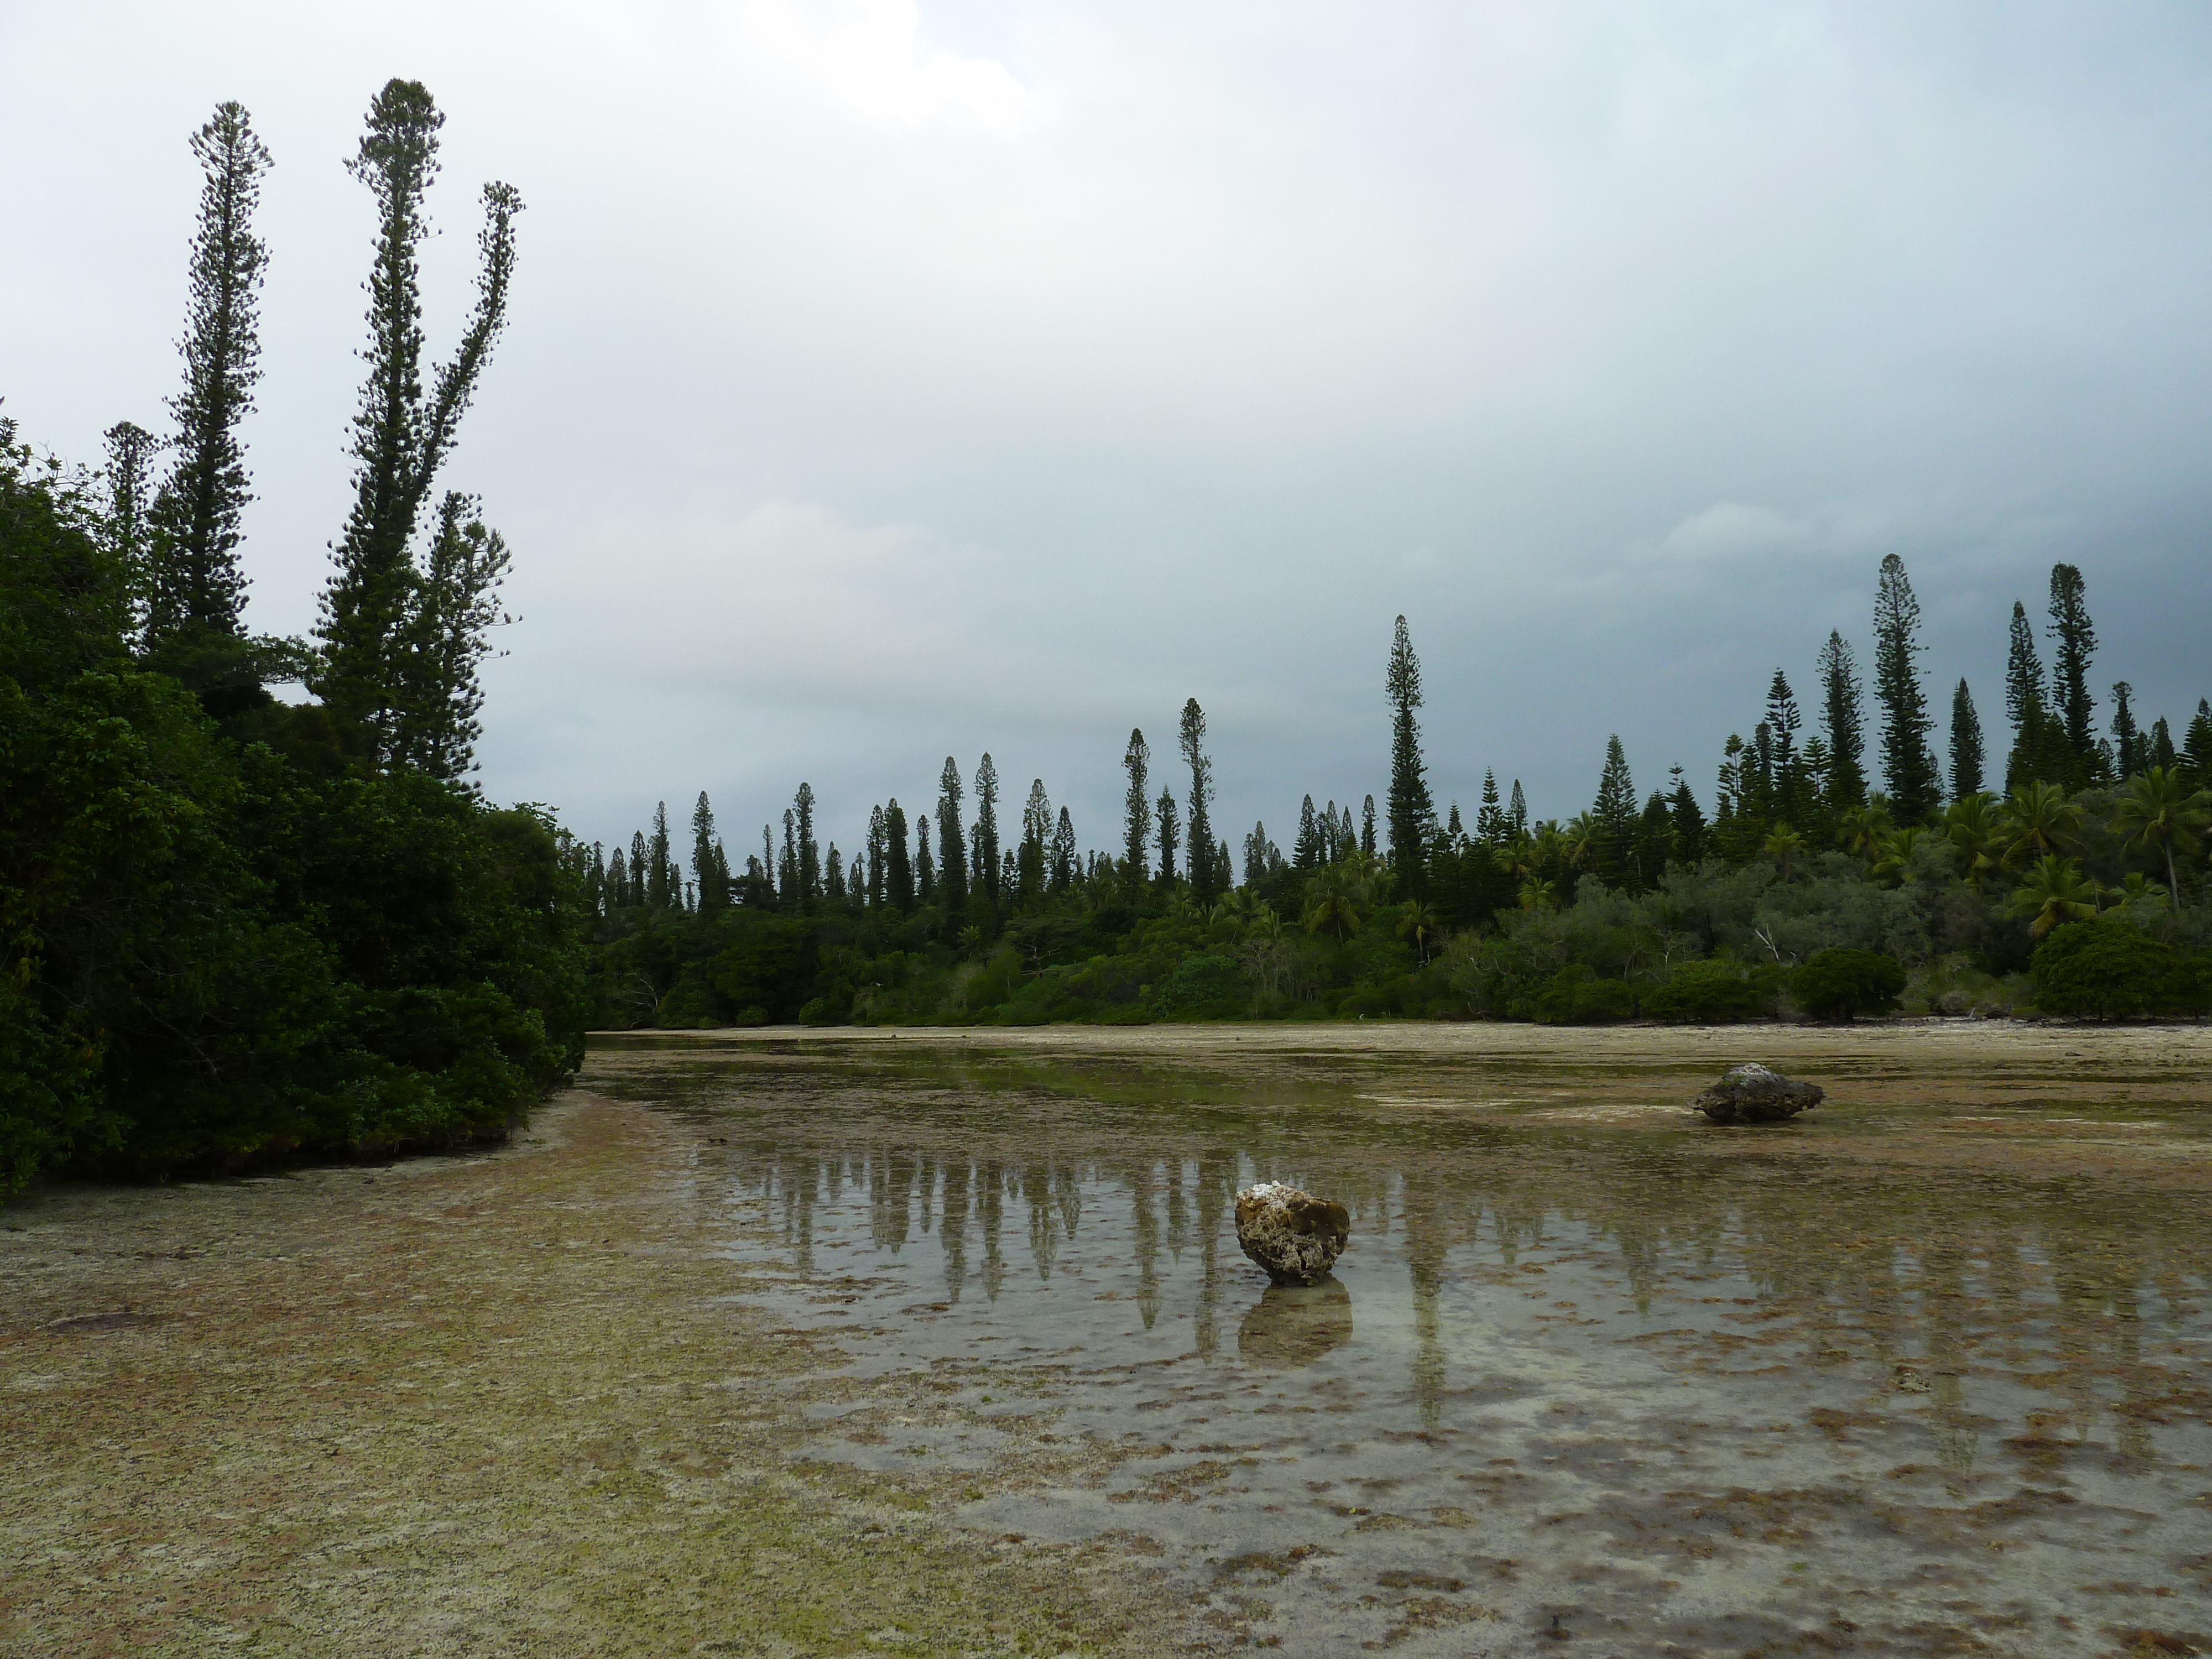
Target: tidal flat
[936, 1342]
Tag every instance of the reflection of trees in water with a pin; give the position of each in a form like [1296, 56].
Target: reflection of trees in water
[1931, 1272]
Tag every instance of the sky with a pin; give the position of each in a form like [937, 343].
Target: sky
[886, 381]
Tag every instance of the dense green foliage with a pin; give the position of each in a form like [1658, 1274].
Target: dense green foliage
[231, 928]
[1803, 895]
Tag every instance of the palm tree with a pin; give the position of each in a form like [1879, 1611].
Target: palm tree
[2138, 891]
[1894, 856]
[1782, 844]
[1419, 924]
[1579, 837]
[1865, 828]
[1333, 903]
[1539, 894]
[1976, 828]
[2038, 819]
[2157, 808]
[2052, 892]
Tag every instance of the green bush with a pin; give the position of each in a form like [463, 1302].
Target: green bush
[1711, 993]
[2112, 969]
[1204, 987]
[1576, 996]
[1842, 984]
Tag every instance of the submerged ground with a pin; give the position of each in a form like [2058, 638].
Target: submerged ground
[939, 1342]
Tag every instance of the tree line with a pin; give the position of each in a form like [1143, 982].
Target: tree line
[941, 916]
[236, 927]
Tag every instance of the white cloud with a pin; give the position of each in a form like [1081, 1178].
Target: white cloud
[869, 56]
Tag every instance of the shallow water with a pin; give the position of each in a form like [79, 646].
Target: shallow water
[1924, 1372]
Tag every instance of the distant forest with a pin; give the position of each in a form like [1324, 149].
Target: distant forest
[1829, 881]
[231, 926]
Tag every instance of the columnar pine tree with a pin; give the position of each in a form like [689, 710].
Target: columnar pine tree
[925, 871]
[617, 887]
[1789, 792]
[1841, 724]
[1255, 855]
[1063, 856]
[1170, 816]
[952, 847]
[1031, 865]
[1490, 816]
[1517, 811]
[1307, 851]
[987, 829]
[1685, 821]
[2128, 746]
[1966, 760]
[640, 875]
[898, 868]
[833, 881]
[788, 892]
[2196, 745]
[876, 856]
[2037, 743]
[196, 586]
[400, 438]
[438, 693]
[1367, 842]
[809, 853]
[1908, 762]
[1136, 813]
[2075, 643]
[1207, 881]
[130, 528]
[660, 892]
[1614, 811]
[2162, 752]
[1412, 811]
[768, 868]
[706, 859]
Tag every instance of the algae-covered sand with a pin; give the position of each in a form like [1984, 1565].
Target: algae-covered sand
[938, 1342]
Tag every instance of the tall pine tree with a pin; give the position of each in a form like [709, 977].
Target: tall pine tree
[986, 829]
[401, 438]
[1136, 813]
[1412, 811]
[1063, 856]
[1169, 816]
[195, 588]
[2074, 643]
[1841, 724]
[1966, 761]
[1206, 881]
[1908, 763]
[2129, 747]
[810, 852]
[898, 867]
[952, 847]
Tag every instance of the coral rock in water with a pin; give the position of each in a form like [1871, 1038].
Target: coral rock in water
[1752, 1094]
[1293, 1235]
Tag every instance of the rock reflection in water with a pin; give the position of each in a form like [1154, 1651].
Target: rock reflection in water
[1294, 1325]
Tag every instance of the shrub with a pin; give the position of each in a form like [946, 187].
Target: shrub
[2111, 969]
[1576, 996]
[1711, 993]
[1843, 984]
[1203, 987]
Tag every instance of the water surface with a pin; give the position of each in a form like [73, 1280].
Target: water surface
[1924, 1372]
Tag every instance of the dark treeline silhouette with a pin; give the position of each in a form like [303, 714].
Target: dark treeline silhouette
[236, 927]
[1845, 869]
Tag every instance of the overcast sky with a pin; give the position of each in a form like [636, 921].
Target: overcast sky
[885, 382]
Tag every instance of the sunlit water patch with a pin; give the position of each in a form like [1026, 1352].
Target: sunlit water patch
[1588, 1370]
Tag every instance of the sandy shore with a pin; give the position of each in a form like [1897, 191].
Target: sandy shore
[454, 1406]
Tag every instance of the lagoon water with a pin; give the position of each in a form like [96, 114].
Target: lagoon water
[1928, 1370]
